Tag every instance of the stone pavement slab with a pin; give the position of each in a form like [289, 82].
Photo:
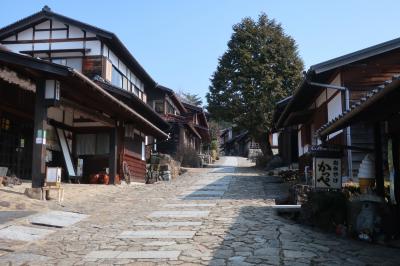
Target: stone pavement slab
[160, 243]
[185, 205]
[109, 254]
[7, 216]
[23, 233]
[22, 259]
[179, 214]
[217, 188]
[204, 193]
[157, 234]
[195, 197]
[57, 218]
[167, 224]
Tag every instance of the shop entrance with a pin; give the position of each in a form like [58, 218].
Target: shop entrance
[16, 136]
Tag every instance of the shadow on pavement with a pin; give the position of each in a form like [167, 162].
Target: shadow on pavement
[258, 236]
[8, 216]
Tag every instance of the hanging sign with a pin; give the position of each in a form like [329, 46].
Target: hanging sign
[327, 173]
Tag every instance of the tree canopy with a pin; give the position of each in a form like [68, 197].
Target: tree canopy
[260, 67]
[191, 98]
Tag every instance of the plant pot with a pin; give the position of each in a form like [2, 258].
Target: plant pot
[94, 179]
[105, 179]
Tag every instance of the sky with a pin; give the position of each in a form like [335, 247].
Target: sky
[179, 42]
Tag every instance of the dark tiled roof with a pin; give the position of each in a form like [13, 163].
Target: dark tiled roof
[356, 56]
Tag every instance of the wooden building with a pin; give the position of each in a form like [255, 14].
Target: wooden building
[198, 118]
[331, 87]
[102, 113]
[287, 136]
[238, 142]
[380, 112]
[188, 124]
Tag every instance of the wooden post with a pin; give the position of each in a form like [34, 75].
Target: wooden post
[396, 166]
[39, 148]
[378, 159]
[113, 155]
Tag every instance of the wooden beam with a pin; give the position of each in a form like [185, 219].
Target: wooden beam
[90, 113]
[113, 155]
[378, 160]
[39, 148]
[396, 166]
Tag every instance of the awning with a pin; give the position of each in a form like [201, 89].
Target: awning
[379, 104]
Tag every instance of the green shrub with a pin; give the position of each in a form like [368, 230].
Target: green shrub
[214, 145]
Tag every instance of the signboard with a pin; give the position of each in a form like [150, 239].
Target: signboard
[53, 176]
[327, 173]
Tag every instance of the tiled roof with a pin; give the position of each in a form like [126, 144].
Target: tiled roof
[371, 96]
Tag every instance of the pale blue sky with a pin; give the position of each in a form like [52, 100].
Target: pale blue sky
[178, 42]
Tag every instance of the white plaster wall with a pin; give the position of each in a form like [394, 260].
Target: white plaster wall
[94, 46]
[43, 25]
[42, 35]
[19, 47]
[58, 24]
[25, 35]
[11, 38]
[321, 99]
[75, 32]
[40, 46]
[300, 145]
[334, 110]
[66, 45]
[59, 34]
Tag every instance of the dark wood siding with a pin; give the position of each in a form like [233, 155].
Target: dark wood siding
[136, 166]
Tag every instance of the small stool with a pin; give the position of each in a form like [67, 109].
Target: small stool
[60, 192]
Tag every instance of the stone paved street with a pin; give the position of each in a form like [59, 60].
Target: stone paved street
[217, 216]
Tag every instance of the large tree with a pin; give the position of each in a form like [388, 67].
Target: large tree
[190, 98]
[260, 67]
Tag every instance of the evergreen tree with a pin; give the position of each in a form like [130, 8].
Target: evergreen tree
[260, 67]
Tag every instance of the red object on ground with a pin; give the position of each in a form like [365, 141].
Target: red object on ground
[94, 179]
[104, 179]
